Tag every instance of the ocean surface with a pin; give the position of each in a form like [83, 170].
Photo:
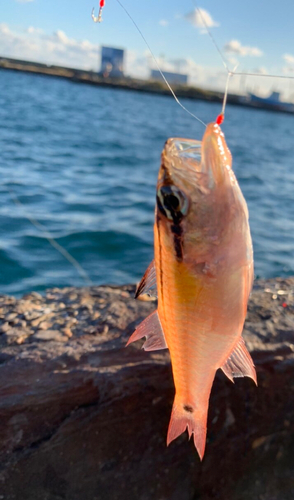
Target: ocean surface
[79, 164]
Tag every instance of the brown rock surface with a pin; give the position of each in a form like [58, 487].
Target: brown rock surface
[83, 418]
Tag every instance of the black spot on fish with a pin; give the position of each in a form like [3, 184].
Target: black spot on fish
[178, 248]
[177, 231]
[160, 255]
[188, 408]
[170, 202]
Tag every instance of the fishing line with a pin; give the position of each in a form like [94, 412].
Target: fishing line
[157, 65]
[51, 240]
[226, 94]
[265, 76]
[232, 72]
[220, 118]
[211, 36]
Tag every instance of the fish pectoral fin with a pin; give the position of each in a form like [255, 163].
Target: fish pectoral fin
[148, 284]
[239, 363]
[151, 329]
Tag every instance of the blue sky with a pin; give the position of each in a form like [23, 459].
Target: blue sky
[257, 34]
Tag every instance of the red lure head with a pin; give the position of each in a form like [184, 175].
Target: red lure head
[98, 19]
[220, 119]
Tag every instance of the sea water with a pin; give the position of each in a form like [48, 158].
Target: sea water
[83, 161]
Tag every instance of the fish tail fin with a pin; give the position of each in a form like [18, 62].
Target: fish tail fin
[192, 418]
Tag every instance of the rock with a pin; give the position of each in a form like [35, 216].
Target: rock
[44, 325]
[15, 335]
[39, 319]
[11, 317]
[50, 335]
[67, 332]
[87, 418]
[4, 327]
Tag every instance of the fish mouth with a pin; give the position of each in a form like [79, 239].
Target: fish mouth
[189, 149]
[202, 164]
[216, 156]
[180, 158]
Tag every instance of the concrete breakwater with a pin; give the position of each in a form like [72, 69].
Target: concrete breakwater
[83, 417]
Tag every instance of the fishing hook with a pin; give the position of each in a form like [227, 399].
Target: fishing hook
[98, 19]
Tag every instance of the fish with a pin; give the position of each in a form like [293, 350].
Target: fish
[202, 275]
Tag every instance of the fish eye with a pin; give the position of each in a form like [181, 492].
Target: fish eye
[172, 202]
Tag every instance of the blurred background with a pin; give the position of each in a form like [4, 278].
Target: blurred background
[79, 162]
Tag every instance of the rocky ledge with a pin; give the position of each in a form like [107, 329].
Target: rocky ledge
[82, 417]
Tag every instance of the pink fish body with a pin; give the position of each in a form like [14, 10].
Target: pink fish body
[203, 268]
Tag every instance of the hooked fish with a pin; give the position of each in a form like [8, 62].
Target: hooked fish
[202, 274]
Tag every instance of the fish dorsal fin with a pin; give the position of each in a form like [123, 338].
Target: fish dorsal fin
[152, 330]
[148, 282]
[239, 363]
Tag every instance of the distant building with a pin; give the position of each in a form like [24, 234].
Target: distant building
[171, 77]
[112, 62]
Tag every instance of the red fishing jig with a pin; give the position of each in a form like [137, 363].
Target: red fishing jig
[220, 119]
[99, 18]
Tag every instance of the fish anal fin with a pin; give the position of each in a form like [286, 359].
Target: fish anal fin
[239, 363]
[151, 329]
[194, 420]
[148, 284]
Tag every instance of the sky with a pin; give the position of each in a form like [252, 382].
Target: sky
[256, 35]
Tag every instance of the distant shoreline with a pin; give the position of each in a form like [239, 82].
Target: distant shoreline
[127, 83]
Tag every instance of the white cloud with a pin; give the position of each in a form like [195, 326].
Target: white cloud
[260, 71]
[32, 30]
[137, 65]
[4, 29]
[184, 65]
[288, 58]
[234, 62]
[163, 22]
[206, 77]
[288, 70]
[200, 18]
[235, 47]
[56, 48]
